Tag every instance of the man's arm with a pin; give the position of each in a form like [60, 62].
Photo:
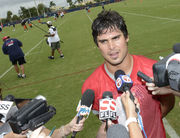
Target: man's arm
[4, 50]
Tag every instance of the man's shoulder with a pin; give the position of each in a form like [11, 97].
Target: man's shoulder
[143, 61]
[97, 72]
[143, 64]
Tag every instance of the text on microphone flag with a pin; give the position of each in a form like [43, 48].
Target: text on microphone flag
[83, 110]
[118, 82]
[126, 78]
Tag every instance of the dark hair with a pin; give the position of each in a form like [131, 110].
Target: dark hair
[108, 20]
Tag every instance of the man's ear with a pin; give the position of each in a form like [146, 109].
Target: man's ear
[127, 39]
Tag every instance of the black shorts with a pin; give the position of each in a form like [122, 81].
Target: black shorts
[20, 61]
[55, 45]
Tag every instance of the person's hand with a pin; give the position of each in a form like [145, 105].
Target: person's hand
[68, 128]
[102, 130]
[155, 90]
[14, 135]
[77, 127]
[129, 105]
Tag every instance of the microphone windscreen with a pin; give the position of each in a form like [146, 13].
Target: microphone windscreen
[119, 72]
[107, 94]
[176, 48]
[87, 98]
[117, 131]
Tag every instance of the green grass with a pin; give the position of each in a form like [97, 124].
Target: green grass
[153, 29]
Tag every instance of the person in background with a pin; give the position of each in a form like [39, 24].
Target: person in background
[12, 47]
[53, 40]
[14, 27]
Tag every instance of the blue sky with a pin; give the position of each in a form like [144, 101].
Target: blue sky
[14, 5]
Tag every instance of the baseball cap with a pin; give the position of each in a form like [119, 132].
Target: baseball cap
[49, 22]
[5, 37]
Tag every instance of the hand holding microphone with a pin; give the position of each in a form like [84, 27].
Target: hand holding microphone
[124, 83]
[84, 107]
[107, 108]
[129, 105]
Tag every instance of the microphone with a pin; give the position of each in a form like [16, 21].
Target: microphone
[124, 83]
[84, 107]
[176, 48]
[117, 131]
[144, 77]
[107, 107]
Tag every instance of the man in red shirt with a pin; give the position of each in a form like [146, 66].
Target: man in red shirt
[111, 36]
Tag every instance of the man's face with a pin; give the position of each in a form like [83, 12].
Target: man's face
[113, 46]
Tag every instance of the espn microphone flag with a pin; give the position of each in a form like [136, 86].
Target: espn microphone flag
[107, 107]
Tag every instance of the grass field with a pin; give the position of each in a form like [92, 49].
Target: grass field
[153, 25]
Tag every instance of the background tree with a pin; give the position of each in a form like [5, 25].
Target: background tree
[33, 11]
[70, 2]
[41, 8]
[23, 12]
[52, 4]
[9, 14]
[15, 18]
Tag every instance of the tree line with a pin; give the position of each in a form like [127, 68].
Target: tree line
[24, 12]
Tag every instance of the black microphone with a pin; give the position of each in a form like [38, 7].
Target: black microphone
[85, 106]
[107, 94]
[144, 77]
[107, 107]
[117, 131]
[124, 83]
[176, 48]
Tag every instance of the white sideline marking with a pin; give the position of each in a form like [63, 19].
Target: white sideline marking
[156, 17]
[171, 132]
[89, 17]
[169, 129]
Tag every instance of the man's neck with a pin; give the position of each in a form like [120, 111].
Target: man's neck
[126, 66]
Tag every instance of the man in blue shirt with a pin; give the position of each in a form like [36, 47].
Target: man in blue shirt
[12, 47]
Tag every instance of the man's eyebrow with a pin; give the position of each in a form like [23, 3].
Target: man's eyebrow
[116, 36]
[102, 40]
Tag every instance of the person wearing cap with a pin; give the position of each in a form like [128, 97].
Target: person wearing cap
[53, 40]
[12, 47]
